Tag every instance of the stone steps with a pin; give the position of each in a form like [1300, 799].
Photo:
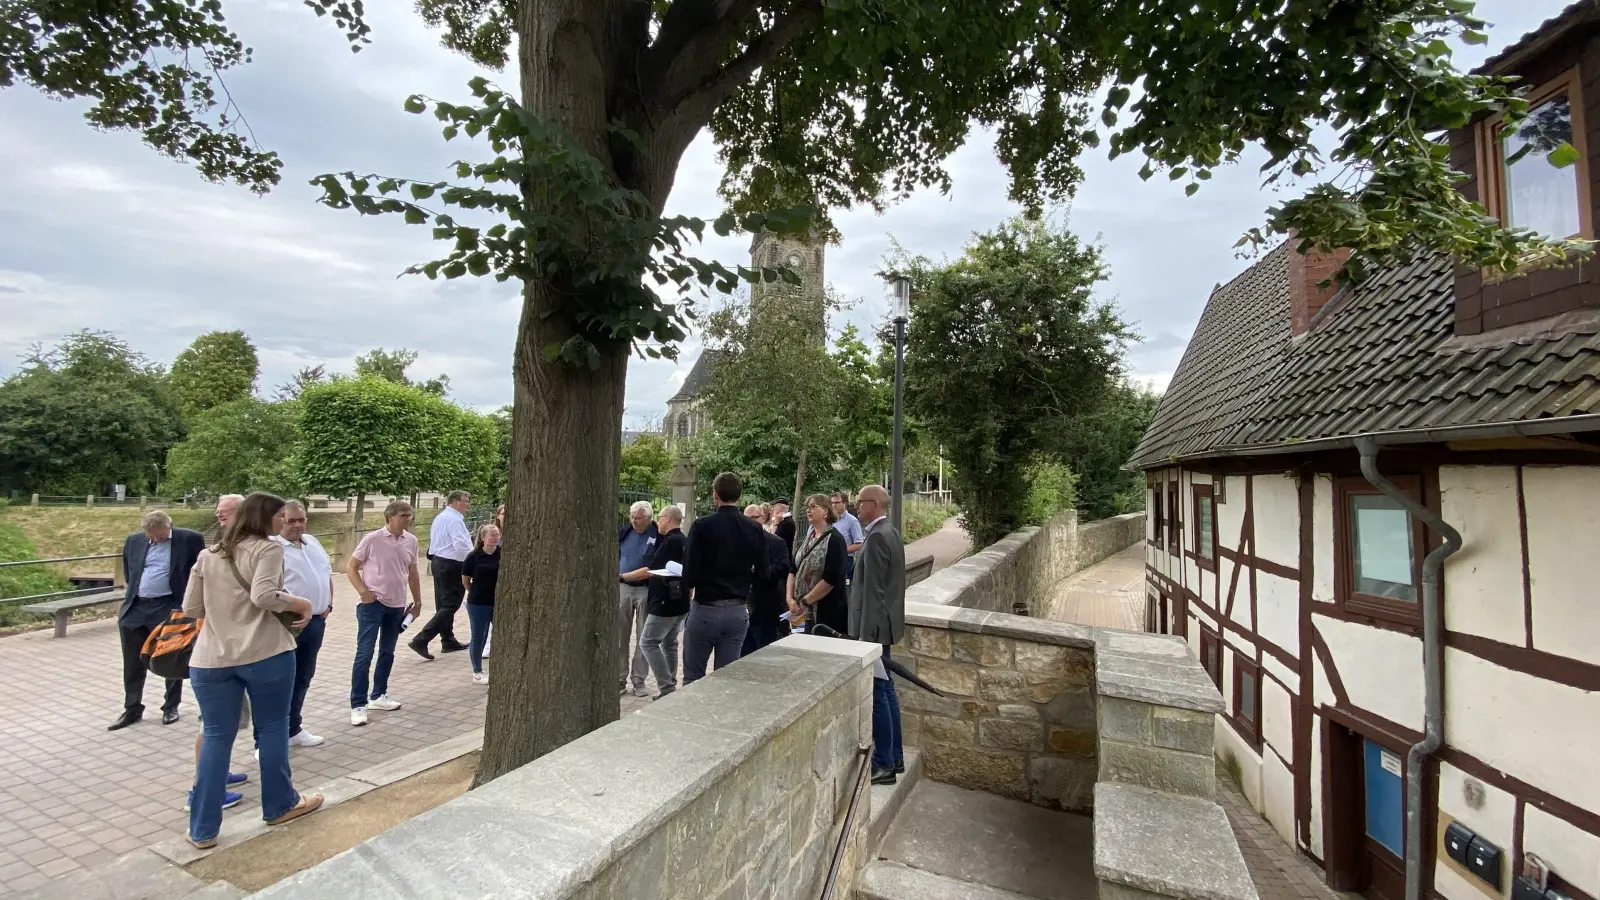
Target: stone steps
[140, 875]
[887, 880]
[887, 799]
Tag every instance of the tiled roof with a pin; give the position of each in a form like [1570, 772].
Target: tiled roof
[699, 376]
[1550, 29]
[1379, 358]
[1244, 323]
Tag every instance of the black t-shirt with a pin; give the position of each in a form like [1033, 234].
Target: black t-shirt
[668, 596]
[484, 570]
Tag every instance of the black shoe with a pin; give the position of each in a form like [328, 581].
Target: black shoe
[900, 768]
[128, 717]
[168, 716]
[882, 776]
[452, 648]
[422, 649]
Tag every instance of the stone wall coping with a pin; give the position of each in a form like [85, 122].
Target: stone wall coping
[1152, 668]
[945, 586]
[974, 621]
[552, 825]
[1167, 844]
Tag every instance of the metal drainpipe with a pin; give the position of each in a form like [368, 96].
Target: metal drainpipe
[1432, 658]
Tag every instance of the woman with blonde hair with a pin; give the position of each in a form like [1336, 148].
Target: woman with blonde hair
[246, 646]
[479, 573]
[817, 588]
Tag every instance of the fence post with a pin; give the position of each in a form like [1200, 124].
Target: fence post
[344, 543]
[89, 501]
[141, 501]
[681, 486]
[119, 575]
[34, 501]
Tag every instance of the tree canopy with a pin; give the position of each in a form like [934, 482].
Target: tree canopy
[391, 365]
[84, 415]
[219, 367]
[1006, 345]
[646, 464]
[241, 446]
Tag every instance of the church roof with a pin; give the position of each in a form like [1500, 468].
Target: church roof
[699, 376]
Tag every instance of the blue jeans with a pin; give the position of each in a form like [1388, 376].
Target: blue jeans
[307, 646]
[378, 625]
[887, 751]
[220, 693]
[480, 616]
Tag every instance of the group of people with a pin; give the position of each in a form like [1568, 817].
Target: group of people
[744, 578]
[263, 593]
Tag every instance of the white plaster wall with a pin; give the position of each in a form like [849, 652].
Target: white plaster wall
[1278, 608]
[1277, 718]
[1456, 887]
[1277, 796]
[1539, 731]
[1243, 648]
[1277, 519]
[1227, 742]
[1323, 688]
[1563, 543]
[1381, 669]
[1484, 578]
[1572, 853]
[1241, 595]
[1290, 677]
[1230, 515]
[1315, 776]
[1494, 820]
[1322, 540]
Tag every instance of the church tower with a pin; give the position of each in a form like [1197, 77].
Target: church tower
[685, 415]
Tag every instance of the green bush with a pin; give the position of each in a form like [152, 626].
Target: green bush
[921, 518]
[1050, 490]
[23, 581]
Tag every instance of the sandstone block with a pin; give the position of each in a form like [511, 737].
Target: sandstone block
[1018, 711]
[1066, 783]
[998, 772]
[949, 678]
[999, 684]
[1073, 708]
[1074, 743]
[933, 643]
[1158, 769]
[1040, 659]
[915, 698]
[947, 731]
[1011, 734]
[1183, 729]
[974, 708]
[1123, 720]
[981, 649]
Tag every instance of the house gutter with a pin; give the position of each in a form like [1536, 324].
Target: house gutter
[1432, 656]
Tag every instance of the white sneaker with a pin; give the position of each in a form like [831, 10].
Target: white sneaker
[480, 677]
[383, 702]
[304, 739]
[358, 716]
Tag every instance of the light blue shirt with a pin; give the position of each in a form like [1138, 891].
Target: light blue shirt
[849, 528]
[156, 579]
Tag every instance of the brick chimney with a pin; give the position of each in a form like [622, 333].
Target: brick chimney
[1305, 296]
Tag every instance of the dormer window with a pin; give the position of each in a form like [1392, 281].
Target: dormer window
[1535, 172]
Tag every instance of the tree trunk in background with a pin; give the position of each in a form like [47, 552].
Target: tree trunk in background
[799, 478]
[361, 508]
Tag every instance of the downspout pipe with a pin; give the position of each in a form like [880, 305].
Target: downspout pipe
[1432, 657]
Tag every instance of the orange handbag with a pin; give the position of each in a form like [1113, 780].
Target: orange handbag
[167, 650]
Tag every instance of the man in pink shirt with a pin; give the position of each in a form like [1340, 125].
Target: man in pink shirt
[382, 567]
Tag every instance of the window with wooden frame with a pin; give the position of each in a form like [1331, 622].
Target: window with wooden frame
[1205, 527]
[1536, 174]
[1157, 524]
[1379, 548]
[1174, 522]
[1211, 654]
[1247, 699]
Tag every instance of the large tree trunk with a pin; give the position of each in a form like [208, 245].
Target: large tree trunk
[800, 477]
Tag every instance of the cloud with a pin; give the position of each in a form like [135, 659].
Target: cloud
[96, 230]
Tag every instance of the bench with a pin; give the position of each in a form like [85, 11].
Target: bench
[918, 569]
[62, 609]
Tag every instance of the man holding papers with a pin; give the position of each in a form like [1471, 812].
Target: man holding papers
[668, 601]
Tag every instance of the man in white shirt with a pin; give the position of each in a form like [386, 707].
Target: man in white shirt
[448, 546]
[307, 573]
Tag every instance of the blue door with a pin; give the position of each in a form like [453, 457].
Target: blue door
[1385, 818]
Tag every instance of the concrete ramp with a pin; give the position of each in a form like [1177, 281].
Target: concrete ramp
[948, 842]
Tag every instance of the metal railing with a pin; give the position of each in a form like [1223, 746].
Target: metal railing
[60, 595]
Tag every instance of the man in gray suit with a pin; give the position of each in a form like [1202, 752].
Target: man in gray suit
[157, 561]
[878, 614]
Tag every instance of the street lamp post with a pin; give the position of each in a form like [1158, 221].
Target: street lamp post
[901, 311]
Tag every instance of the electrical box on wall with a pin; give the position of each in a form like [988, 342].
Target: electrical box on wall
[1456, 838]
[1483, 860]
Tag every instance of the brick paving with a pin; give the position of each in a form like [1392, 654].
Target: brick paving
[1279, 871]
[1108, 594]
[73, 795]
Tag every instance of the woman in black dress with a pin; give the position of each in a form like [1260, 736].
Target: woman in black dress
[817, 587]
[479, 572]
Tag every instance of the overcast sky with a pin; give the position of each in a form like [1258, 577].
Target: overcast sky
[98, 231]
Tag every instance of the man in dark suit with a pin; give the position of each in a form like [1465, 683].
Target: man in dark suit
[157, 561]
[878, 614]
[785, 528]
[768, 596]
[725, 554]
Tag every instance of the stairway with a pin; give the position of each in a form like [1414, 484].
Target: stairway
[948, 843]
[140, 875]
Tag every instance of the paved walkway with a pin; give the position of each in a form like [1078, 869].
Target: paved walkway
[73, 795]
[947, 545]
[1109, 593]
[1279, 871]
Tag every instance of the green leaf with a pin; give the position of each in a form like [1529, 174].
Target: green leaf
[415, 104]
[420, 191]
[415, 216]
[1563, 155]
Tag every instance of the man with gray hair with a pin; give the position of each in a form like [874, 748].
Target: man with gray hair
[308, 573]
[448, 546]
[668, 602]
[636, 543]
[156, 560]
[227, 508]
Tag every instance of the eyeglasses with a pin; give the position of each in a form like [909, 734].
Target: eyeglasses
[300, 521]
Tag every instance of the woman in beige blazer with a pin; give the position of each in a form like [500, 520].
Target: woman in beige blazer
[246, 646]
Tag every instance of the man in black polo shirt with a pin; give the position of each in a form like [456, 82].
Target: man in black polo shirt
[726, 552]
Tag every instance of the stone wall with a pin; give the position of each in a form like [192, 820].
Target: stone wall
[736, 786]
[1156, 709]
[1016, 574]
[1019, 716]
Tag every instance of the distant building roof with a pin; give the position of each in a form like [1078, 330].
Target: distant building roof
[699, 376]
[629, 437]
[1380, 357]
[1551, 30]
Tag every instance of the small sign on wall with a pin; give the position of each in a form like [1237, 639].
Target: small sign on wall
[1389, 761]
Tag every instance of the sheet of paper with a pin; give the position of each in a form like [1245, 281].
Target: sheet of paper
[878, 671]
[674, 569]
[406, 622]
